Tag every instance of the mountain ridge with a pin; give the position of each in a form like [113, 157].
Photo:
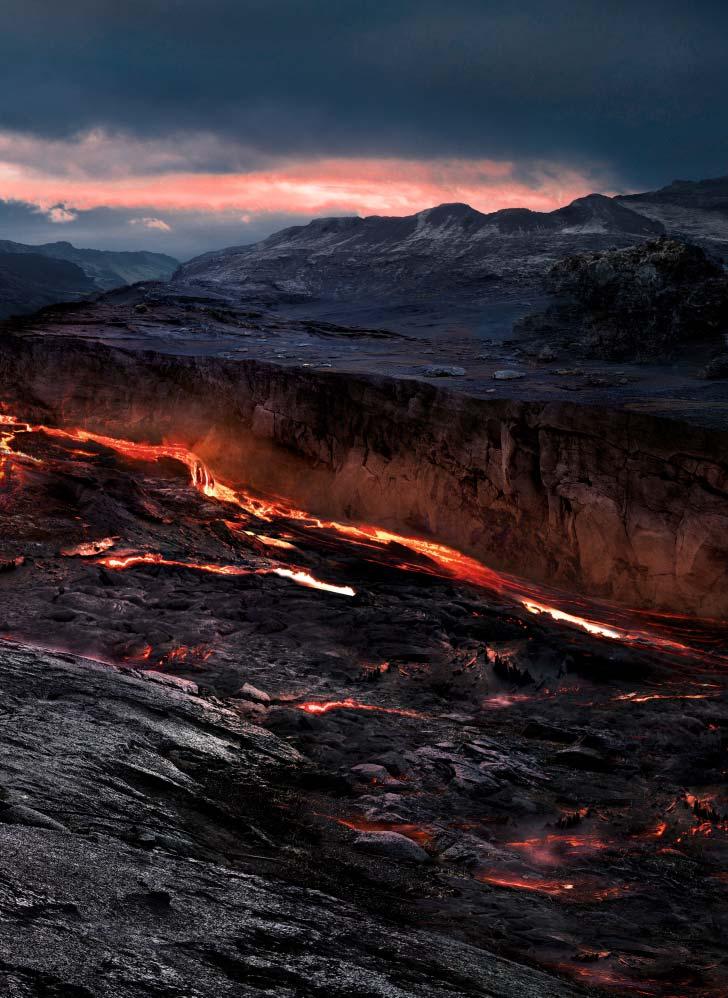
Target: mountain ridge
[107, 269]
[448, 249]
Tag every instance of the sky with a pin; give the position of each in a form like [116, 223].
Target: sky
[180, 126]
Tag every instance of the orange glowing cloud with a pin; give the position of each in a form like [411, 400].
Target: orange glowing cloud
[98, 170]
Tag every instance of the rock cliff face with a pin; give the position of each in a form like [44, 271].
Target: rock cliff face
[614, 504]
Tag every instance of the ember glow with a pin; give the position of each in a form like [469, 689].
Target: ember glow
[185, 655]
[582, 892]
[499, 700]
[553, 849]
[657, 832]
[611, 980]
[324, 706]
[87, 549]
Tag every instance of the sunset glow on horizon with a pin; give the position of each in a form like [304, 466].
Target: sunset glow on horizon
[101, 171]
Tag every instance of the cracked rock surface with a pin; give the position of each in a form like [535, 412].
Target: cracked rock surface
[120, 858]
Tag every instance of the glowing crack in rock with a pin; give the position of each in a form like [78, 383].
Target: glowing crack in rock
[324, 706]
[301, 578]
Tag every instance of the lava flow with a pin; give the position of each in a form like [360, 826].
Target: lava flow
[581, 892]
[301, 578]
[323, 707]
[552, 849]
[451, 563]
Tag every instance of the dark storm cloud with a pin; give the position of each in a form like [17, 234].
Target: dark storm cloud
[639, 86]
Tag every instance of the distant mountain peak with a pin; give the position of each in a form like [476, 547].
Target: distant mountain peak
[450, 209]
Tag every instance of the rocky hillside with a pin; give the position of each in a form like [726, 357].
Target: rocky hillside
[696, 210]
[448, 251]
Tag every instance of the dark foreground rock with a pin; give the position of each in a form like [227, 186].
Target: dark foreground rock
[717, 367]
[118, 847]
[641, 303]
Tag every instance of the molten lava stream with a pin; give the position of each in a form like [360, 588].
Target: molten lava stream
[301, 578]
[324, 706]
[599, 619]
[623, 626]
[574, 891]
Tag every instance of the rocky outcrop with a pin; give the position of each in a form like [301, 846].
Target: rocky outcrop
[641, 303]
[717, 367]
[613, 503]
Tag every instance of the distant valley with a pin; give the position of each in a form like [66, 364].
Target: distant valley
[34, 276]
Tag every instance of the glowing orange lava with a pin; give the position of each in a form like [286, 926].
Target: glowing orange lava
[323, 707]
[622, 626]
[553, 888]
[580, 892]
[422, 836]
[553, 849]
[301, 578]
[647, 697]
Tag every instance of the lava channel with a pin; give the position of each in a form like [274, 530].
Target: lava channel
[301, 578]
[450, 562]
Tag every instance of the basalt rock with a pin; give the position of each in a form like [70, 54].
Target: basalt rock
[641, 303]
[124, 878]
[716, 368]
